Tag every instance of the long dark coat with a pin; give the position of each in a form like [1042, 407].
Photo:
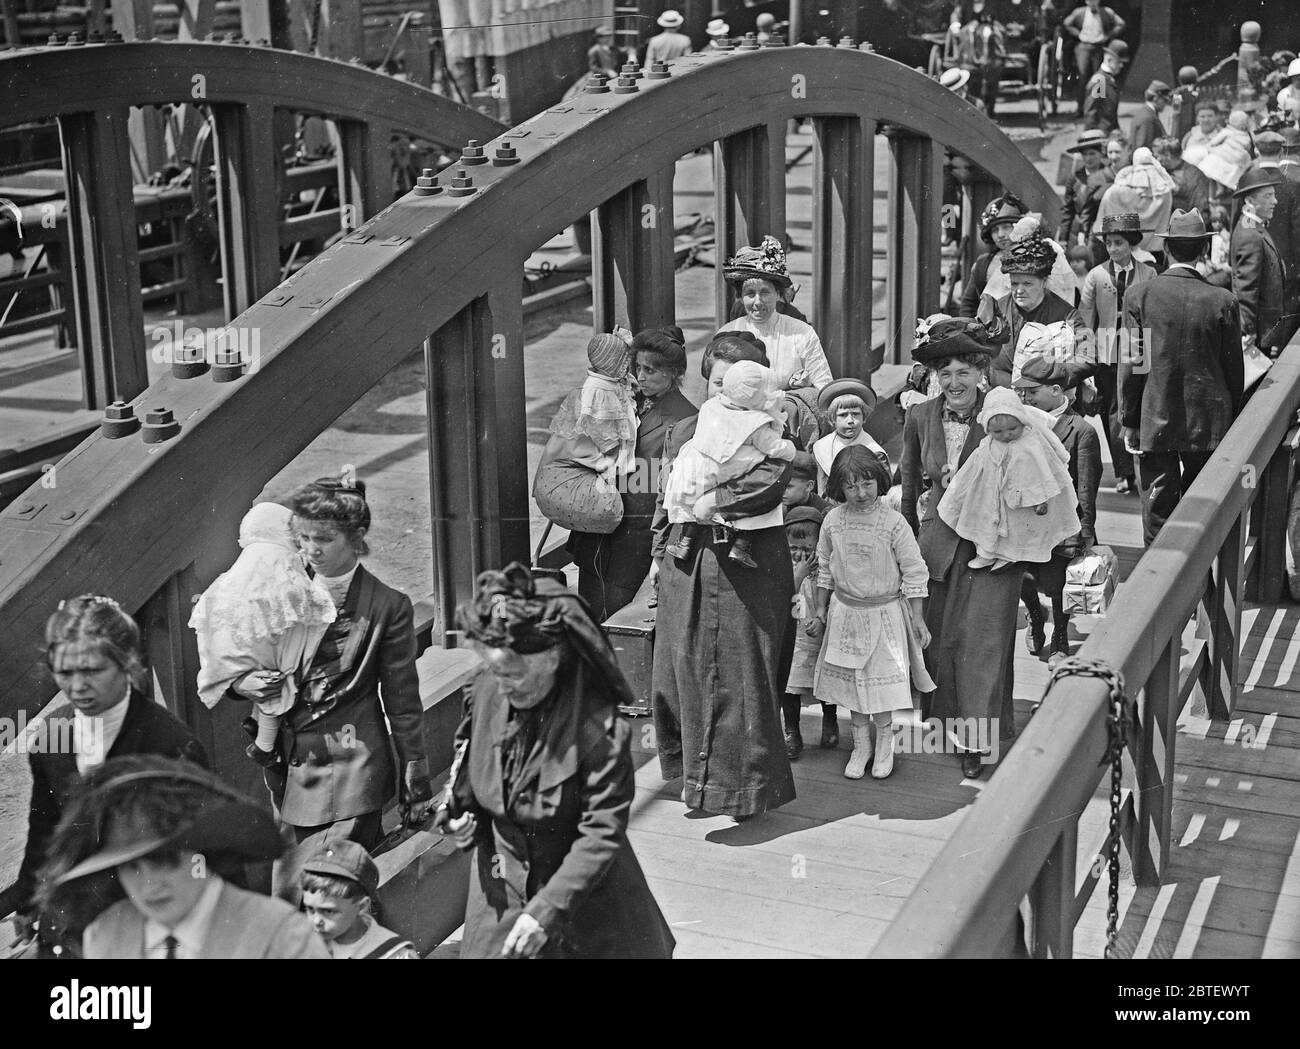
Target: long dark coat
[720, 659]
[971, 614]
[556, 848]
[1181, 392]
[1082, 202]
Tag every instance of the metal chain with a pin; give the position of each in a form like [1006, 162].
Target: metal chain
[1118, 723]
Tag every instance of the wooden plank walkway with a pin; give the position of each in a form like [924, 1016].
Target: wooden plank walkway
[824, 875]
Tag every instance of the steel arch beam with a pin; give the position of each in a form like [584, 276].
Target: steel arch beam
[45, 82]
[125, 516]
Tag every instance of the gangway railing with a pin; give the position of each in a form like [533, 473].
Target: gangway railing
[1020, 841]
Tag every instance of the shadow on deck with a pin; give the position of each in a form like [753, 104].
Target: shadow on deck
[825, 875]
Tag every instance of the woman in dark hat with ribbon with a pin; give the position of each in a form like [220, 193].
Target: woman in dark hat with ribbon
[542, 784]
[1032, 320]
[155, 835]
[724, 637]
[793, 349]
[996, 222]
[971, 613]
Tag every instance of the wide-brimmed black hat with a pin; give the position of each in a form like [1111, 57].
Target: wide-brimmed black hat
[1032, 256]
[1257, 178]
[218, 820]
[954, 338]
[827, 394]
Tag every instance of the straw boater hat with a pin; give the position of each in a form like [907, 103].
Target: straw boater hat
[1257, 178]
[670, 19]
[717, 28]
[827, 394]
[766, 262]
[959, 336]
[954, 79]
[1093, 139]
[1128, 223]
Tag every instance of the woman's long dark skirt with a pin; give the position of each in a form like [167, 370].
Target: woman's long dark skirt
[719, 636]
[972, 616]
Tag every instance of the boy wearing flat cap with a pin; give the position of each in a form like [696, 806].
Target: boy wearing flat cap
[1042, 385]
[338, 889]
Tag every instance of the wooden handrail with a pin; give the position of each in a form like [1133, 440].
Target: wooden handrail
[997, 855]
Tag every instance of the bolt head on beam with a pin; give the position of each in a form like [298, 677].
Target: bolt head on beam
[506, 155]
[119, 421]
[473, 154]
[427, 184]
[658, 71]
[596, 85]
[462, 185]
[159, 425]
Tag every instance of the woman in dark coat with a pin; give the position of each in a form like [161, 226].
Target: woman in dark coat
[611, 568]
[996, 222]
[720, 656]
[95, 656]
[971, 612]
[542, 784]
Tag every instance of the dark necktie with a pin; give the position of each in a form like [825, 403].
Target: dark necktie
[170, 944]
[1121, 282]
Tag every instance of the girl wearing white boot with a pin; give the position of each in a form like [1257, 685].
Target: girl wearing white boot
[871, 580]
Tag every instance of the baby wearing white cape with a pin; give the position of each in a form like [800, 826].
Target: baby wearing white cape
[264, 613]
[1013, 498]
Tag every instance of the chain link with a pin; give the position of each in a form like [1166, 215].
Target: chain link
[1118, 724]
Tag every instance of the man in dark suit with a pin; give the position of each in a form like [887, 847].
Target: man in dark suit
[1257, 271]
[1145, 127]
[1284, 227]
[1181, 372]
[1101, 96]
[1042, 385]
[141, 727]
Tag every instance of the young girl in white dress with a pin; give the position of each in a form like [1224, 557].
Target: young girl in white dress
[264, 613]
[871, 580]
[1013, 498]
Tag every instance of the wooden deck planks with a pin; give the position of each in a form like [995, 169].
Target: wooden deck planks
[1232, 886]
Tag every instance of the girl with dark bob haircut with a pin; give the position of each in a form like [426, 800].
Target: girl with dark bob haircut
[856, 463]
[338, 501]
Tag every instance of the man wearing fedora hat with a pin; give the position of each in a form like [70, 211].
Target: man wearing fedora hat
[1257, 270]
[156, 830]
[1092, 27]
[1284, 226]
[670, 44]
[1101, 101]
[1180, 373]
[1146, 126]
[1083, 196]
[1102, 307]
[718, 33]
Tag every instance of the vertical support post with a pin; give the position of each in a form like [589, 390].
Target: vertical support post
[1270, 510]
[1225, 595]
[749, 196]
[103, 258]
[248, 203]
[134, 20]
[632, 256]
[1155, 767]
[478, 463]
[843, 200]
[978, 194]
[915, 207]
[365, 174]
[1051, 899]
